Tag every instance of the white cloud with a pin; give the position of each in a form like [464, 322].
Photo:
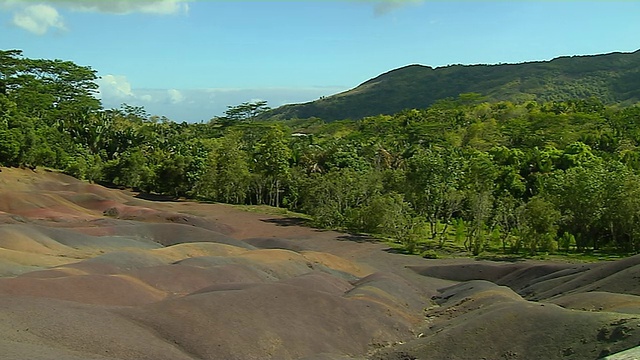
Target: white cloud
[8, 4]
[146, 98]
[114, 87]
[175, 96]
[383, 7]
[160, 7]
[38, 19]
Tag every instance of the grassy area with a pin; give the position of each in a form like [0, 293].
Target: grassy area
[270, 210]
[453, 247]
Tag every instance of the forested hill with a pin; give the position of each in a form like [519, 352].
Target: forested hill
[612, 78]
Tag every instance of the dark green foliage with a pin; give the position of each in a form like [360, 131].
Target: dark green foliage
[171, 175]
[130, 169]
[385, 214]
[10, 141]
[537, 226]
[272, 161]
[227, 177]
[435, 186]
[332, 198]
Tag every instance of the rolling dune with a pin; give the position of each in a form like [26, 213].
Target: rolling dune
[88, 272]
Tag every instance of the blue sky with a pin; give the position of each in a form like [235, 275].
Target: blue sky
[189, 60]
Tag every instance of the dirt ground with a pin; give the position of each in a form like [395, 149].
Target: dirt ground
[88, 272]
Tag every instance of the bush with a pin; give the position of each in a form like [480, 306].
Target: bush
[429, 254]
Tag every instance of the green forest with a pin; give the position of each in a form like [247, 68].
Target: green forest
[464, 174]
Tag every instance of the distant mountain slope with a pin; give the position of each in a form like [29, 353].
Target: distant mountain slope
[613, 78]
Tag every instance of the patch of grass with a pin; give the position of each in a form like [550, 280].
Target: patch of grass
[271, 210]
[588, 257]
[501, 257]
[451, 248]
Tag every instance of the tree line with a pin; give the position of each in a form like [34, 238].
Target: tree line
[524, 177]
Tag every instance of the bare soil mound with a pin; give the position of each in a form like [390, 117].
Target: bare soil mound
[481, 320]
[88, 272]
[277, 320]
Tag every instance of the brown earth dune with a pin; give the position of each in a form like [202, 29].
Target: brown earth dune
[88, 272]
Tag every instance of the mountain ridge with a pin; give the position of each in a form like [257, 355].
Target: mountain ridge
[611, 77]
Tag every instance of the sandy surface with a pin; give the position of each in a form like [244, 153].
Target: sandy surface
[88, 272]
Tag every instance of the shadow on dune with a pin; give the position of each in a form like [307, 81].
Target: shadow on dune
[358, 238]
[397, 251]
[155, 197]
[288, 221]
[510, 258]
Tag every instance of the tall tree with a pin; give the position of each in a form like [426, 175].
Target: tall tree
[55, 90]
[227, 175]
[538, 220]
[434, 186]
[245, 112]
[272, 158]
